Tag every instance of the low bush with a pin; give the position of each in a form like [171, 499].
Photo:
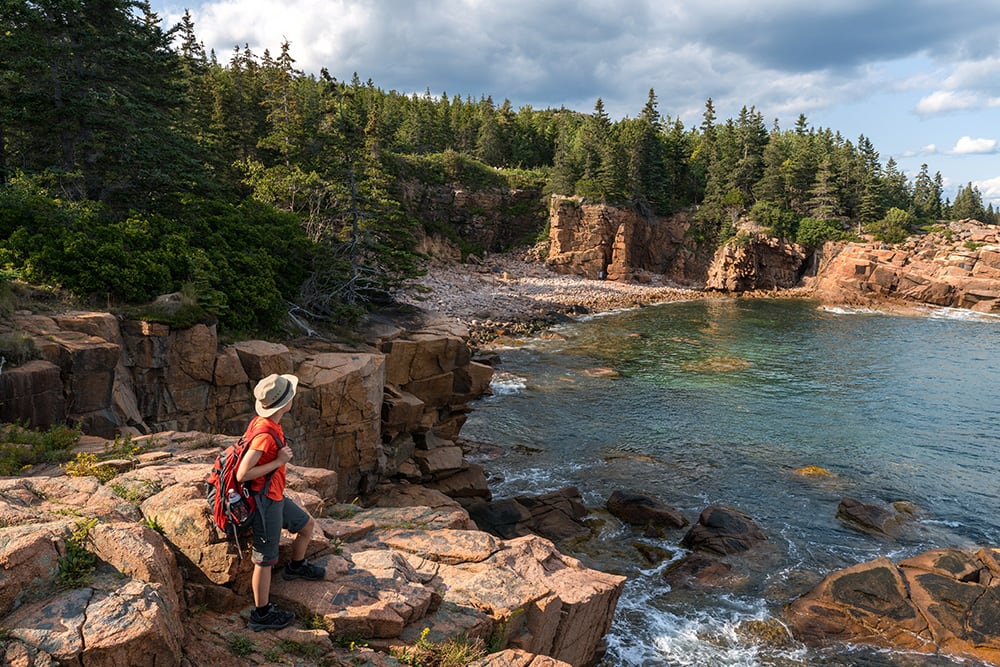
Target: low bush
[21, 448]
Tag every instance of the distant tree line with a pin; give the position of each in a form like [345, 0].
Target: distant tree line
[133, 162]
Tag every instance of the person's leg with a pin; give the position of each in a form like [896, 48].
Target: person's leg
[266, 537]
[298, 521]
[261, 584]
[302, 539]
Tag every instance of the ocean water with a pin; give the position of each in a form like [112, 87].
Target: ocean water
[719, 401]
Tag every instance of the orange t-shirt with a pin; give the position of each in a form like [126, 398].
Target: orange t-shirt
[265, 442]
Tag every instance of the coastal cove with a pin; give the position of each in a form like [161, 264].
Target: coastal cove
[723, 401]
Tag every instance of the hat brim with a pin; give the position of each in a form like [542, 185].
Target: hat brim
[270, 410]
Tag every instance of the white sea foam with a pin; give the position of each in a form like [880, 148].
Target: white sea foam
[960, 314]
[692, 637]
[534, 480]
[507, 384]
[849, 310]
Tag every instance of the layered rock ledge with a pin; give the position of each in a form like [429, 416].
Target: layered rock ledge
[165, 588]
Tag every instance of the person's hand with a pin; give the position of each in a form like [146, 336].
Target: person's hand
[284, 455]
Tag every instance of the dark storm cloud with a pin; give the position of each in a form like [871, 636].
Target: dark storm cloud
[823, 35]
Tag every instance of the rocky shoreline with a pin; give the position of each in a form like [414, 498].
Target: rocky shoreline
[515, 294]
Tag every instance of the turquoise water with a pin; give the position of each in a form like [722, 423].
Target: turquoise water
[720, 401]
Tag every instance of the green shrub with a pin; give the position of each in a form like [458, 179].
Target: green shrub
[21, 447]
[813, 233]
[240, 645]
[76, 566]
[779, 223]
[86, 465]
[456, 652]
[243, 260]
[18, 348]
[893, 228]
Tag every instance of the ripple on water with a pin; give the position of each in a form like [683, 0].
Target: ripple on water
[893, 407]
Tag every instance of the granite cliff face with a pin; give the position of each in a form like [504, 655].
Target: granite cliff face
[358, 413]
[493, 220]
[956, 267]
[601, 241]
[756, 262]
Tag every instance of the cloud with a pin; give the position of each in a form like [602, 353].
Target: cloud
[970, 146]
[779, 55]
[929, 149]
[990, 189]
[944, 101]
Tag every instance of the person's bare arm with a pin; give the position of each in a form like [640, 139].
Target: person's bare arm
[249, 469]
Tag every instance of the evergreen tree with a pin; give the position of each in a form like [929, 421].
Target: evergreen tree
[823, 203]
[926, 199]
[968, 204]
[895, 188]
[93, 89]
[647, 184]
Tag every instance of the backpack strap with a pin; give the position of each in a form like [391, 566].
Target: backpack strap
[258, 427]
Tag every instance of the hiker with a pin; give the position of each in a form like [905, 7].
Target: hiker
[264, 466]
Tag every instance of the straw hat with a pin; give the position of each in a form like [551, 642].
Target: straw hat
[274, 392]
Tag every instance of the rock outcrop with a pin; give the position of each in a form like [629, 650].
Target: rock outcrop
[756, 262]
[368, 413]
[601, 241]
[942, 601]
[492, 219]
[102, 588]
[957, 267]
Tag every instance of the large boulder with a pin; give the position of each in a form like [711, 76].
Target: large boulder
[723, 531]
[941, 601]
[337, 416]
[638, 509]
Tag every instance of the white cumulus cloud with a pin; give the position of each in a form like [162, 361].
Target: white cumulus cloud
[970, 146]
[990, 190]
[943, 101]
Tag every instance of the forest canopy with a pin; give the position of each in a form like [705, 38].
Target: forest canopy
[134, 163]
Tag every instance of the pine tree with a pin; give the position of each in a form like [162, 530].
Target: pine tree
[93, 87]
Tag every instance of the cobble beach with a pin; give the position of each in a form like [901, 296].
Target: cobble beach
[507, 295]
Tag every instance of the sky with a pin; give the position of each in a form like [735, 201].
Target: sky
[919, 78]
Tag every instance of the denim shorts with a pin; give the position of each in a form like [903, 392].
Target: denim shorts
[271, 516]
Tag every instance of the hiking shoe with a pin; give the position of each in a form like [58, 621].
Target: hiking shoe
[272, 619]
[305, 571]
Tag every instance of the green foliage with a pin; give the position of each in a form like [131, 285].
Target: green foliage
[455, 652]
[180, 310]
[813, 233]
[21, 448]
[152, 523]
[86, 464]
[251, 255]
[240, 645]
[893, 228]
[136, 491]
[449, 168]
[76, 566]
[779, 222]
[18, 348]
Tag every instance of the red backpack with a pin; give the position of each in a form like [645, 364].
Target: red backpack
[231, 502]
